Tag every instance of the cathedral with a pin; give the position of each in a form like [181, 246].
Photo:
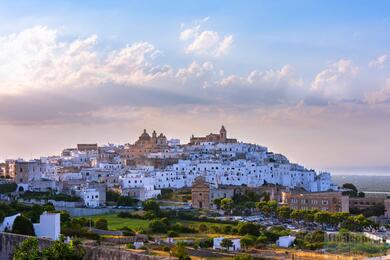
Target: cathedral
[216, 138]
[147, 144]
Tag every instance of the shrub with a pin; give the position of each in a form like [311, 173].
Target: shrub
[202, 228]
[7, 187]
[180, 251]
[215, 229]
[23, 226]
[247, 241]
[151, 205]
[101, 223]
[158, 226]
[29, 250]
[149, 215]
[246, 228]
[227, 229]
[2, 215]
[206, 243]
[243, 257]
[226, 243]
[172, 233]
[79, 233]
[126, 201]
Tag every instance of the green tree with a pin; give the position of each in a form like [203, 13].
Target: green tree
[261, 240]
[226, 243]
[2, 216]
[284, 212]
[23, 226]
[353, 190]
[248, 228]
[356, 223]
[297, 214]
[8, 187]
[157, 226]
[227, 204]
[247, 241]
[308, 215]
[64, 216]
[49, 207]
[35, 213]
[150, 215]
[126, 201]
[202, 228]
[112, 195]
[152, 205]
[28, 250]
[101, 223]
[323, 217]
[217, 202]
[180, 251]
[60, 250]
[268, 208]
[228, 229]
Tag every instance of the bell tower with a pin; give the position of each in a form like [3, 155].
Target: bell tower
[223, 134]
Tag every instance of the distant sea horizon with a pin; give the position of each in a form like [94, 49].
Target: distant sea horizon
[367, 182]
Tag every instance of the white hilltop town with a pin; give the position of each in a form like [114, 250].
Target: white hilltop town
[120, 195]
[152, 163]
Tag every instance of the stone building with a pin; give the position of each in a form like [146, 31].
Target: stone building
[387, 208]
[26, 172]
[200, 192]
[217, 138]
[203, 194]
[326, 201]
[87, 147]
[144, 145]
[365, 202]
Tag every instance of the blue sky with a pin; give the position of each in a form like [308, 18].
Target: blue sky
[267, 33]
[310, 79]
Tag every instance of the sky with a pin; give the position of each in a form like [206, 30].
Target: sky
[308, 79]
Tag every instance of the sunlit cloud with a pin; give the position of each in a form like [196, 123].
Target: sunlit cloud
[205, 42]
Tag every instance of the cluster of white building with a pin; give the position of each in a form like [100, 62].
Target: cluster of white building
[221, 163]
[49, 225]
[235, 164]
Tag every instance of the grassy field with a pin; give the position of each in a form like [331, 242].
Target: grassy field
[114, 222]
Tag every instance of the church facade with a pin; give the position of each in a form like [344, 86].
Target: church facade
[146, 144]
[216, 138]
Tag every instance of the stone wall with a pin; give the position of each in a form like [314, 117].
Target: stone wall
[8, 243]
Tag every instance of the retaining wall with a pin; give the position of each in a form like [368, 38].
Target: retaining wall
[9, 241]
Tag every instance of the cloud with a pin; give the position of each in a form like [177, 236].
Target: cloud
[379, 96]
[85, 105]
[334, 82]
[196, 74]
[379, 62]
[37, 58]
[75, 80]
[205, 42]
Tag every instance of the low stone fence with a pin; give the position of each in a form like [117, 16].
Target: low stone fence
[80, 212]
[118, 240]
[9, 242]
[106, 232]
